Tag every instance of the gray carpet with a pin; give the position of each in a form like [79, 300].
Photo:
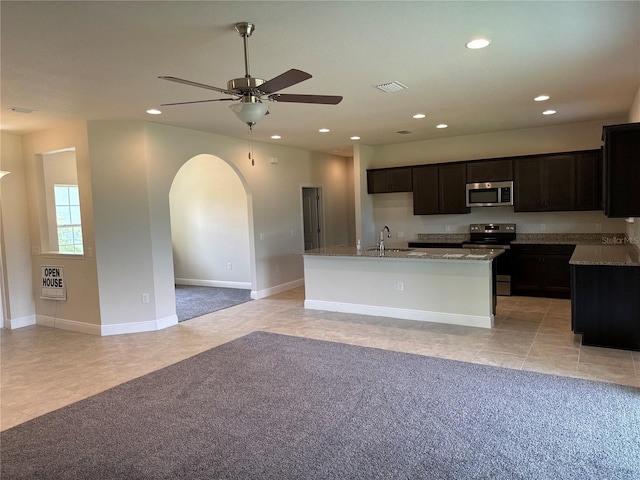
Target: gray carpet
[194, 301]
[270, 406]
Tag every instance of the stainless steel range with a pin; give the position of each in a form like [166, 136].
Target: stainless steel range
[495, 235]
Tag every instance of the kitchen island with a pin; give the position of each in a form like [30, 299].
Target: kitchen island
[453, 286]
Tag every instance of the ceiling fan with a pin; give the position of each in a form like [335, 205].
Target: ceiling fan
[251, 91]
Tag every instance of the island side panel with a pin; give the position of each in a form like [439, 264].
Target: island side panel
[457, 292]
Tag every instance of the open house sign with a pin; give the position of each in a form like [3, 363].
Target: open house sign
[53, 286]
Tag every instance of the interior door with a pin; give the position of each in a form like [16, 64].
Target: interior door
[312, 217]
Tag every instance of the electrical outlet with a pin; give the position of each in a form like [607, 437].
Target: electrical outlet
[145, 298]
[277, 268]
[598, 227]
[229, 266]
[543, 228]
[400, 234]
[262, 236]
[447, 228]
[400, 286]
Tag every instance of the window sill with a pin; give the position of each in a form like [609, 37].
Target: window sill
[75, 256]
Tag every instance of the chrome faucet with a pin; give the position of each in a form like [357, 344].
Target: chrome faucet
[381, 246]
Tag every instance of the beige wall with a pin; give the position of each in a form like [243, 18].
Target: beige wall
[18, 300]
[396, 210]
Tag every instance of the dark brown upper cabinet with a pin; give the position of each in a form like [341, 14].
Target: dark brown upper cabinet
[439, 189]
[589, 180]
[425, 190]
[621, 159]
[452, 182]
[490, 171]
[545, 183]
[389, 180]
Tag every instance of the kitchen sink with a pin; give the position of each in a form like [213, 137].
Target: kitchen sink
[376, 249]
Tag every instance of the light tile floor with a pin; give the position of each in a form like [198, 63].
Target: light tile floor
[44, 369]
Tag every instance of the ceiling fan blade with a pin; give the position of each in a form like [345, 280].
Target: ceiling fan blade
[196, 101]
[196, 84]
[293, 98]
[284, 80]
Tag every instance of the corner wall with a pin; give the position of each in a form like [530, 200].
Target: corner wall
[18, 302]
[80, 311]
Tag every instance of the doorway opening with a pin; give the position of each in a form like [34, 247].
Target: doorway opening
[210, 234]
[312, 217]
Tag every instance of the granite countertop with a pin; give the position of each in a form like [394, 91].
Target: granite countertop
[441, 238]
[533, 238]
[569, 238]
[475, 254]
[611, 255]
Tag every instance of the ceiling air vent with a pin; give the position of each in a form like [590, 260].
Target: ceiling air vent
[391, 87]
[404, 132]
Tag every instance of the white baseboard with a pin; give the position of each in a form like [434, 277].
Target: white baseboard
[107, 330]
[64, 324]
[212, 283]
[22, 322]
[138, 327]
[403, 313]
[267, 292]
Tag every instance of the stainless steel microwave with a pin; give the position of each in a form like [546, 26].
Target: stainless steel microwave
[489, 194]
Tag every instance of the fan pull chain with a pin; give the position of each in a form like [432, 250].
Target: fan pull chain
[251, 157]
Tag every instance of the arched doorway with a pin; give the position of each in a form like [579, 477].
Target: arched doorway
[210, 232]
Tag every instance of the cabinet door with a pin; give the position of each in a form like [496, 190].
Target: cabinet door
[557, 274]
[528, 185]
[489, 171]
[545, 183]
[605, 306]
[622, 170]
[589, 181]
[452, 181]
[559, 182]
[527, 276]
[542, 270]
[387, 180]
[425, 190]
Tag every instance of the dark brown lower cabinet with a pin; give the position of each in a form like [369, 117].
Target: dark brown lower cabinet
[605, 305]
[541, 270]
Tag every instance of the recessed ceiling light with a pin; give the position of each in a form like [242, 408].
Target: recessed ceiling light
[442, 125]
[549, 112]
[541, 98]
[276, 137]
[419, 115]
[324, 130]
[154, 111]
[355, 137]
[478, 43]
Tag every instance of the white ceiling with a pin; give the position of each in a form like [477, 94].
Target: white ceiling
[100, 60]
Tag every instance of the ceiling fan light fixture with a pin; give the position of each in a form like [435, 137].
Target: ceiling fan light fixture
[250, 110]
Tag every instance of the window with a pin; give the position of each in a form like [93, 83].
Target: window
[69, 225]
